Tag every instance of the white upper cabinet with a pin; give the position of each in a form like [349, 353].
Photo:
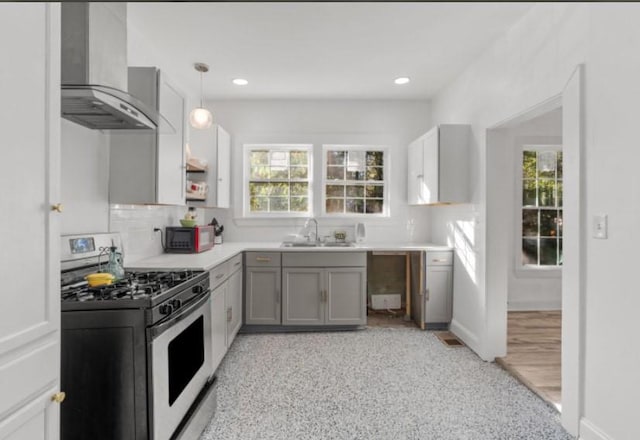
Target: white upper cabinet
[148, 167]
[212, 145]
[438, 166]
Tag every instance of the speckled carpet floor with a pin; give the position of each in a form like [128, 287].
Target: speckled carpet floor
[378, 383]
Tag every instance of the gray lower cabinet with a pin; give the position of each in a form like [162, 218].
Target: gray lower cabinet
[262, 288]
[218, 324]
[324, 289]
[233, 304]
[439, 287]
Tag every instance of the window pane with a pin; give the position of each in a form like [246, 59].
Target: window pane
[279, 159]
[548, 222]
[529, 164]
[560, 251]
[548, 252]
[259, 204]
[375, 191]
[335, 157]
[356, 161]
[559, 164]
[299, 189]
[546, 192]
[299, 172]
[299, 204]
[529, 193]
[356, 175]
[298, 158]
[334, 205]
[279, 189]
[530, 251]
[547, 164]
[374, 173]
[374, 206]
[335, 173]
[259, 157]
[530, 222]
[260, 172]
[559, 194]
[259, 189]
[355, 191]
[355, 206]
[279, 204]
[279, 172]
[335, 191]
[375, 158]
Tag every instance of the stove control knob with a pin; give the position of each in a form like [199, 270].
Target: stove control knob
[198, 289]
[166, 309]
[176, 303]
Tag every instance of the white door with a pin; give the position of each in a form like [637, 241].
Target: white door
[414, 172]
[171, 159]
[224, 169]
[30, 182]
[431, 167]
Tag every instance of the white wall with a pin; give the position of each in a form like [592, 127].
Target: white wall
[529, 64]
[391, 123]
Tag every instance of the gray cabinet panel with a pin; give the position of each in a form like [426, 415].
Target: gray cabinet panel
[262, 295]
[260, 259]
[439, 294]
[302, 295]
[346, 296]
[218, 325]
[234, 306]
[324, 259]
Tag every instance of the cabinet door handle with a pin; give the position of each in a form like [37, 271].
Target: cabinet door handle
[263, 259]
[220, 275]
[426, 292]
[59, 397]
[237, 263]
[229, 312]
[420, 176]
[277, 296]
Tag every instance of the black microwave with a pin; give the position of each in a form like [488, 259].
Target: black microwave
[189, 240]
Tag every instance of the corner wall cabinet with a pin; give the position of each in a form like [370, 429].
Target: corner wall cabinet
[148, 167]
[324, 288]
[438, 170]
[214, 146]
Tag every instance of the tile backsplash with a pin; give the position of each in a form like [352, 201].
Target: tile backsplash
[135, 223]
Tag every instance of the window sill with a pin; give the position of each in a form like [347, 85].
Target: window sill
[538, 272]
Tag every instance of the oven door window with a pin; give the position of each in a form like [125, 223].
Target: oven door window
[186, 356]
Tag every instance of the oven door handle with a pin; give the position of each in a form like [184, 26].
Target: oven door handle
[157, 330]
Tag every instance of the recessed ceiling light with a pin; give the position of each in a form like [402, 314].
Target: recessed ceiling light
[401, 80]
[240, 82]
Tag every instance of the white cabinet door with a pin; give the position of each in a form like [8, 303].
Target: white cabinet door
[303, 296]
[218, 324]
[438, 307]
[346, 296]
[234, 306]
[171, 159]
[414, 173]
[30, 316]
[430, 167]
[224, 169]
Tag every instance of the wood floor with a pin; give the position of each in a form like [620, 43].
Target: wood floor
[533, 352]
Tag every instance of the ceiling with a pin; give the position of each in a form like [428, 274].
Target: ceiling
[322, 50]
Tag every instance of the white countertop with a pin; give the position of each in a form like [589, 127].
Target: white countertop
[222, 252]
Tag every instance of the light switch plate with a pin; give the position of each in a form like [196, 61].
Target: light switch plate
[600, 226]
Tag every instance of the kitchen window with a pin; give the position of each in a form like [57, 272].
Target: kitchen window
[541, 213]
[355, 180]
[278, 179]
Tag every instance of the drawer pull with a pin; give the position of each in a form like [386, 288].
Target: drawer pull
[439, 260]
[263, 259]
[220, 275]
[59, 397]
[237, 263]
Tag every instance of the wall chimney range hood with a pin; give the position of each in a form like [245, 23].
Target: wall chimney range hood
[94, 70]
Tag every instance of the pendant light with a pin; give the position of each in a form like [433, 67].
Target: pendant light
[200, 117]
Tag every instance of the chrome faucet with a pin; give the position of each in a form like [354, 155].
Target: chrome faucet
[306, 226]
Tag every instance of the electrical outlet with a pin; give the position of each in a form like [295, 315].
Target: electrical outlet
[600, 226]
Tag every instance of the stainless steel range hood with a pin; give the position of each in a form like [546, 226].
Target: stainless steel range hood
[94, 70]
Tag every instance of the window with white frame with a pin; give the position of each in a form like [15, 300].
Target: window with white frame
[278, 180]
[541, 206]
[355, 180]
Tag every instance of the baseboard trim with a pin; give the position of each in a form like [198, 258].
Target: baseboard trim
[465, 335]
[589, 431]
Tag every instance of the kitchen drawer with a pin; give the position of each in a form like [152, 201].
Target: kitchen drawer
[218, 274]
[235, 263]
[259, 259]
[440, 258]
[324, 259]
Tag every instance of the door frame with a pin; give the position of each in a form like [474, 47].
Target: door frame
[571, 99]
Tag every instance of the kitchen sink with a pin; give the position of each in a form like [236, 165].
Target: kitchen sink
[307, 244]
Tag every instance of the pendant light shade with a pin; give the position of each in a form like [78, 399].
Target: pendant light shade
[200, 117]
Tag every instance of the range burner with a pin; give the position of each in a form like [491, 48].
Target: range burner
[134, 286]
